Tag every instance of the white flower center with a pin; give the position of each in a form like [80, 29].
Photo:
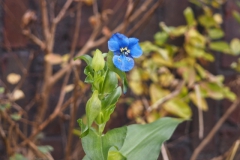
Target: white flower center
[125, 51]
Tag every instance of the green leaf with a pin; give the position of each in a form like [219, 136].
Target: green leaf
[84, 128]
[213, 90]
[86, 58]
[16, 116]
[121, 74]
[98, 62]
[17, 156]
[4, 106]
[97, 146]
[201, 71]
[178, 31]
[215, 33]
[90, 74]
[194, 98]
[2, 90]
[207, 21]
[220, 46]
[189, 16]
[229, 94]
[93, 108]
[178, 108]
[112, 98]
[110, 82]
[236, 15]
[160, 38]
[45, 149]
[235, 46]
[143, 142]
[109, 103]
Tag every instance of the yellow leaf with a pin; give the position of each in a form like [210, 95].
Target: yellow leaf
[135, 82]
[137, 87]
[153, 116]
[135, 109]
[204, 105]
[157, 93]
[17, 94]
[218, 18]
[69, 87]
[13, 78]
[65, 58]
[178, 108]
[53, 59]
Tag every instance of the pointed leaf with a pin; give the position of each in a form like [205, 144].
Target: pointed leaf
[86, 58]
[84, 128]
[110, 82]
[215, 33]
[189, 16]
[144, 141]
[235, 46]
[220, 46]
[178, 108]
[97, 146]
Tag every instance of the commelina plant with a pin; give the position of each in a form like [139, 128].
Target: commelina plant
[133, 142]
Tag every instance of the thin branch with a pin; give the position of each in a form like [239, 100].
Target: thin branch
[200, 112]
[75, 105]
[56, 20]
[164, 152]
[35, 39]
[62, 12]
[145, 17]
[6, 141]
[45, 18]
[76, 30]
[73, 111]
[215, 129]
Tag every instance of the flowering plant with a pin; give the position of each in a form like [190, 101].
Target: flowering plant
[128, 142]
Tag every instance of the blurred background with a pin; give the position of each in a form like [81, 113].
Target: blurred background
[189, 69]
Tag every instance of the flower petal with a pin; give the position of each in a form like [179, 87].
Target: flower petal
[121, 39]
[113, 45]
[132, 41]
[135, 51]
[123, 63]
[117, 52]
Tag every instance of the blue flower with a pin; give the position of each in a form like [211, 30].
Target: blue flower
[124, 49]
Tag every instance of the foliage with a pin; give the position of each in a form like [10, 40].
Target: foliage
[168, 68]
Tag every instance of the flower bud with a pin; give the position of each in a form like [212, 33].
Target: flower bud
[98, 61]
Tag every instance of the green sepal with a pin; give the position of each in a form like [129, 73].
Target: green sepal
[93, 108]
[98, 62]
